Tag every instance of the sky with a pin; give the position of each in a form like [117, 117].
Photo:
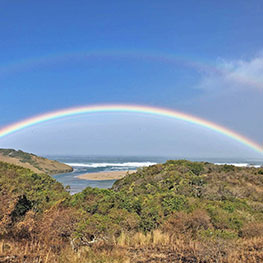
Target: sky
[203, 58]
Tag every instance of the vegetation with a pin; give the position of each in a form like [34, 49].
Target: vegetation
[33, 162]
[179, 211]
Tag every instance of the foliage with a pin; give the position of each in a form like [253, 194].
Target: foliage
[178, 201]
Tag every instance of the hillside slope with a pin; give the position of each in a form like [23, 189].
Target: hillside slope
[179, 211]
[33, 162]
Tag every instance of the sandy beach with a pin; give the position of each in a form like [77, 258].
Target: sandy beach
[112, 175]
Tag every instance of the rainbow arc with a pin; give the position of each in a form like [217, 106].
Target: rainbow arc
[132, 109]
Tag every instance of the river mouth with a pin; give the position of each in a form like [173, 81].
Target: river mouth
[84, 165]
[96, 168]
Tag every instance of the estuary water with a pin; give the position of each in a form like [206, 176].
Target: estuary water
[88, 164]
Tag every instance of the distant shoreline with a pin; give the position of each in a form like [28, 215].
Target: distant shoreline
[108, 175]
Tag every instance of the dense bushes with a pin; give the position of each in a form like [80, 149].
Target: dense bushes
[24, 193]
[42, 190]
[153, 194]
[197, 202]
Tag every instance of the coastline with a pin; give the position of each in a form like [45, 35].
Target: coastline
[106, 175]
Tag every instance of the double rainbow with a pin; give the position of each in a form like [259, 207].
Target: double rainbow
[132, 109]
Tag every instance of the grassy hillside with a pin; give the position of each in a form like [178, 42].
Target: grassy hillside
[179, 211]
[33, 162]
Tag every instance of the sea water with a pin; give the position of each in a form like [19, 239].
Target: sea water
[90, 164]
[86, 164]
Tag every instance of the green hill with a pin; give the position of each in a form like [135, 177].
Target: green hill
[179, 211]
[33, 162]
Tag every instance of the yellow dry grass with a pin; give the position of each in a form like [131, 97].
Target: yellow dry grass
[156, 246]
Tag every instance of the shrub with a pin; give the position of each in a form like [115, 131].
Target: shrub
[198, 219]
[172, 203]
[252, 230]
[209, 234]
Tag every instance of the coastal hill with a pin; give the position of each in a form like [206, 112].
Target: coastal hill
[179, 211]
[33, 162]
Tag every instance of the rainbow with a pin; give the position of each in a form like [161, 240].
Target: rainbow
[69, 56]
[132, 109]
[168, 58]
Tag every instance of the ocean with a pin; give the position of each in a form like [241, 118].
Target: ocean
[91, 164]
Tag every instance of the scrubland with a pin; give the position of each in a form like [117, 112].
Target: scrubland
[33, 162]
[179, 211]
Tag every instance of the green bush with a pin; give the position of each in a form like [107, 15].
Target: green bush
[171, 203]
[217, 233]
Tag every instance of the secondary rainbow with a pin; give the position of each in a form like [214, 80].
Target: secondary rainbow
[69, 56]
[143, 55]
[132, 109]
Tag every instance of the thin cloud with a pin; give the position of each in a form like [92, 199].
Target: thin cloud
[235, 75]
[232, 96]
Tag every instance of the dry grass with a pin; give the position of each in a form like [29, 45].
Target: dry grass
[1, 247]
[33, 162]
[160, 238]
[159, 246]
[141, 240]
[152, 247]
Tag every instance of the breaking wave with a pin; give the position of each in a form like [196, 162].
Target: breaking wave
[241, 164]
[98, 165]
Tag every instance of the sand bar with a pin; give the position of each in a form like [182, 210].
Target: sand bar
[110, 175]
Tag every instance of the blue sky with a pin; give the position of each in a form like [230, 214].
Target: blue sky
[201, 57]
